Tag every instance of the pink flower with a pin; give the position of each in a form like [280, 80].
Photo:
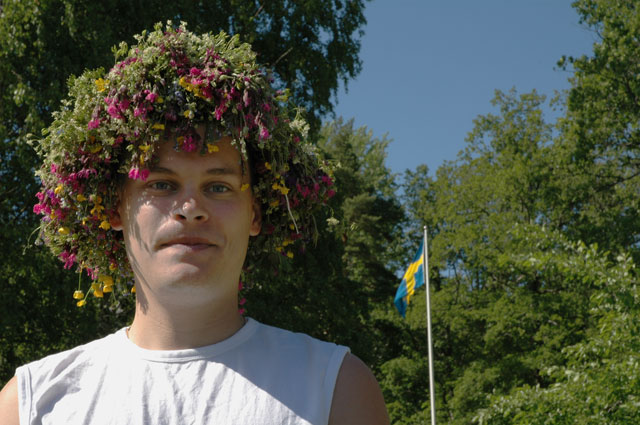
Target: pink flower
[264, 133]
[68, 259]
[189, 144]
[207, 92]
[140, 110]
[195, 71]
[94, 123]
[330, 193]
[137, 174]
[113, 111]
[151, 97]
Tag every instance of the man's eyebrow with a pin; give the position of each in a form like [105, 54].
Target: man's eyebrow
[218, 171]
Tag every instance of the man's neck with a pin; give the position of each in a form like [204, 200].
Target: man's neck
[160, 328]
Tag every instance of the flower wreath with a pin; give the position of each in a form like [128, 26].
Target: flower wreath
[164, 87]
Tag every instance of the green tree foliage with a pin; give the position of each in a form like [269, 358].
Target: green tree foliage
[600, 131]
[493, 322]
[312, 46]
[599, 378]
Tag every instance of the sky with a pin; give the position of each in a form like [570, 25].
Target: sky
[429, 67]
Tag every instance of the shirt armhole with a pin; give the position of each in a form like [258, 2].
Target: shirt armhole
[24, 395]
[331, 376]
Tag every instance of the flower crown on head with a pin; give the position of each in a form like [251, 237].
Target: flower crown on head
[165, 87]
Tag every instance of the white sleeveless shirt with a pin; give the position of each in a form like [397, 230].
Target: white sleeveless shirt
[260, 375]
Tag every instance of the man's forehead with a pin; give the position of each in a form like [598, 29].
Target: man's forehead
[222, 155]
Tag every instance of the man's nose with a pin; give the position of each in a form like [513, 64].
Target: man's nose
[190, 210]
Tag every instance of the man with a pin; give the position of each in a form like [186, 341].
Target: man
[208, 161]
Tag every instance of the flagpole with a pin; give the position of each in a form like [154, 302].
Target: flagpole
[425, 271]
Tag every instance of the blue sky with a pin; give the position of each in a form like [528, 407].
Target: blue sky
[431, 66]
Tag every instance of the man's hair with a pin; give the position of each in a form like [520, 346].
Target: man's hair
[162, 89]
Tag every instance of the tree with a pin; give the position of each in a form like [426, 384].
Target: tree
[495, 324]
[598, 379]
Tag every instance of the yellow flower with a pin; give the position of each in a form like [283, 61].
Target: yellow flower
[81, 303]
[267, 166]
[96, 149]
[107, 289]
[289, 254]
[97, 209]
[81, 197]
[78, 295]
[98, 293]
[64, 231]
[95, 286]
[158, 126]
[284, 190]
[159, 100]
[287, 242]
[145, 148]
[274, 203]
[101, 84]
[244, 187]
[105, 225]
[183, 82]
[133, 289]
[106, 279]
[279, 248]
[58, 189]
[212, 148]
[188, 114]
[112, 266]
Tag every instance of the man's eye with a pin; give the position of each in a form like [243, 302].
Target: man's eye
[218, 188]
[160, 186]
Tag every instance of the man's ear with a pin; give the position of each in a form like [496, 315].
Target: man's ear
[114, 217]
[256, 218]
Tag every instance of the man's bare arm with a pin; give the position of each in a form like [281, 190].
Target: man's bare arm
[9, 403]
[357, 398]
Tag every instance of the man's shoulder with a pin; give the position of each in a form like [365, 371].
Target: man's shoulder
[283, 340]
[71, 359]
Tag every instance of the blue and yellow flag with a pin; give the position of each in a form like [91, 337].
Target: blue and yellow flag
[413, 279]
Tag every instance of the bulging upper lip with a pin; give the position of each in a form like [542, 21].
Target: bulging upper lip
[186, 240]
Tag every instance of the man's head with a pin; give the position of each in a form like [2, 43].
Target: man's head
[187, 226]
[180, 92]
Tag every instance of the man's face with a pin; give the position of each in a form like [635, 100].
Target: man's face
[187, 227]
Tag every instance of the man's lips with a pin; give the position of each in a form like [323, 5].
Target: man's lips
[188, 242]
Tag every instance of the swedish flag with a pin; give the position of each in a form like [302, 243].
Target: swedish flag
[413, 279]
